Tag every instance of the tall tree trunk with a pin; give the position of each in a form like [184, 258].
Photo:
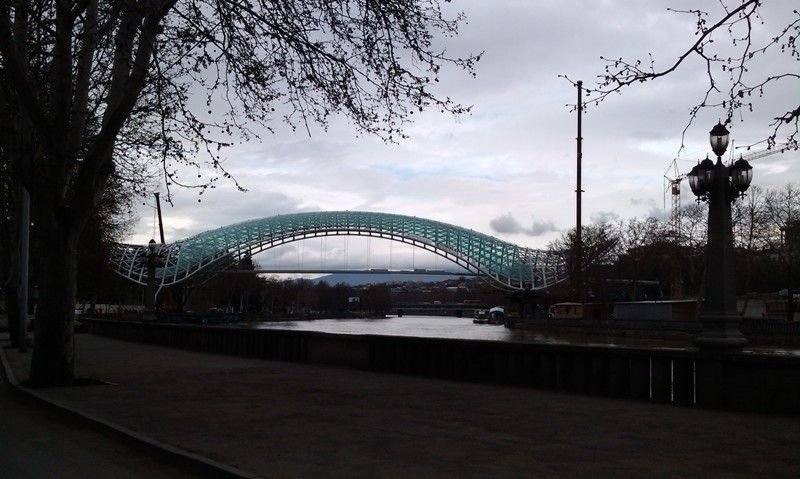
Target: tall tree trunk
[11, 295]
[53, 359]
[10, 268]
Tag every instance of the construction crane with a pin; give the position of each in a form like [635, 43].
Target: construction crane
[673, 178]
[673, 184]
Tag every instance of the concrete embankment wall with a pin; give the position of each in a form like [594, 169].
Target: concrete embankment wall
[757, 331]
[690, 378]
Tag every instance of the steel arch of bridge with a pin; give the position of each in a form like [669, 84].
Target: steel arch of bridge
[506, 264]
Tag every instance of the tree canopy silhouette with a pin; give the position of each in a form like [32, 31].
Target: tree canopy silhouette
[131, 88]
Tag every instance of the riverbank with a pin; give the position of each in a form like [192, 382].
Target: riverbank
[282, 419]
[759, 332]
[747, 380]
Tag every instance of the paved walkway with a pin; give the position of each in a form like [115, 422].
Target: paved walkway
[39, 443]
[277, 419]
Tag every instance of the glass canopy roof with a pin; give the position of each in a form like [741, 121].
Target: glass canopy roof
[506, 264]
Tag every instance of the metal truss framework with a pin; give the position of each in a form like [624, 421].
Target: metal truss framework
[509, 266]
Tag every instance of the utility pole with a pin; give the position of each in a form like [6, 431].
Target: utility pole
[578, 266]
[160, 223]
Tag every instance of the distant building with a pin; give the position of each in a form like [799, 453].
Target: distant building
[790, 235]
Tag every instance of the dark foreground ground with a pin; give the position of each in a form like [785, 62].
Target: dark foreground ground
[37, 442]
[278, 419]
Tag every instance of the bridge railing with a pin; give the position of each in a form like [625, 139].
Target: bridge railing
[748, 382]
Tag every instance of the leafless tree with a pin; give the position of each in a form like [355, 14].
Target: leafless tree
[782, 208]
[95, 88]
[641, 242]
[599, 249]
[750, 231]
[750, 228]
[693, 225]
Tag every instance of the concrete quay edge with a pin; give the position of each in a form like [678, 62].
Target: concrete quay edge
[189, 461]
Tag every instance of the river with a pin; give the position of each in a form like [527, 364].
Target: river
[464, 328]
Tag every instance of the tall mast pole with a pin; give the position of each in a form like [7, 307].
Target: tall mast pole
[160, 223]
[578, 240]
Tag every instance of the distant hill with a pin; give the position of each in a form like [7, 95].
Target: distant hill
[358, 279]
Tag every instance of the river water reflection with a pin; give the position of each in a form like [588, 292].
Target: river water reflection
[464, 328]
[458, 328]
[417, 326]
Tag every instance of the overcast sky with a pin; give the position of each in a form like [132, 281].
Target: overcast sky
[508, 168]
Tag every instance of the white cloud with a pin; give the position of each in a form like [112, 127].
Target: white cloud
[514, 156]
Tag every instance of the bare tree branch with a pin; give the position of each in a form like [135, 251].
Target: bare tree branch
[730, 84]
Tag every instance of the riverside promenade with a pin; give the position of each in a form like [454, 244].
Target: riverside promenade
[264, 418]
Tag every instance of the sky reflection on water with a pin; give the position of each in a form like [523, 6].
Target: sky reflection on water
[464, 328]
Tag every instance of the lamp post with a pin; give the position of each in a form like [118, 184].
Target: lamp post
[150, 291]
[720, 185]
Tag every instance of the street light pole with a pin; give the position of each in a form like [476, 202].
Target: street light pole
[718, 310]
[720, 185]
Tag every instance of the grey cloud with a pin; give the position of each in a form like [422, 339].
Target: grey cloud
[542, 227]
[507, 224]
[641, 201]
[658, 213]
[603, 217]
[654, 209]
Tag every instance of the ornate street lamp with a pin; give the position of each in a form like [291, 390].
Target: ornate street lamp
[720, 185]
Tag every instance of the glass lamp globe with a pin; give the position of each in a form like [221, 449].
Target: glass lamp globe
[741, 175]
[718, 137]
[694, 180]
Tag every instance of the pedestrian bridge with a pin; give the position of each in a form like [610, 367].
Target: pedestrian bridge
[505, 264]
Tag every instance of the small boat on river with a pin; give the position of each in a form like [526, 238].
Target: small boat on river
[481, 316]
[495, 315]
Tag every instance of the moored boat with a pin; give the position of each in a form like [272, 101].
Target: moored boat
[497, 315]
[481, 316]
